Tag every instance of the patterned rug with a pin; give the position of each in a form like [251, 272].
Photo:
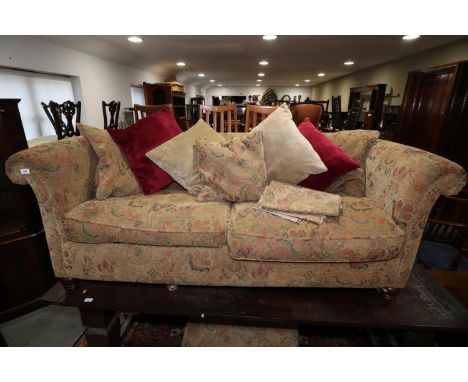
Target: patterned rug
[152, 331]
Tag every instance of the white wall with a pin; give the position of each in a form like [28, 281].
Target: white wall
[219, 91]
[95, 79]
[394, 73]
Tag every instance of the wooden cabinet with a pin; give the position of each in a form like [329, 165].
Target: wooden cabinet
[434, 111]
[25, 269]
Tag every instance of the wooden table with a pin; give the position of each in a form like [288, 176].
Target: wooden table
[422, 308]
[455, 282]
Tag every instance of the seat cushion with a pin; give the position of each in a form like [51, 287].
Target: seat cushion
[168, 218]
[362, 233]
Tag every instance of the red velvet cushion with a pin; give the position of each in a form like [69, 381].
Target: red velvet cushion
[337, 161]
[141, 137]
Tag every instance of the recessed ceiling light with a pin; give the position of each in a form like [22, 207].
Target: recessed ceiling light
[220, 85]
[297, 85]
[410, 36]
[212, 80]
[261, 74]
[270, 37]
[257, 85]
[263, 62]
[180, 63]
[135, 39]
[349, 62]
[306, 80]
[201, 74]
[259, 80]
[321, 74]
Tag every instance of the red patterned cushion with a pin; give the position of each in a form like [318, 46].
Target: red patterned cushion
[338, 162]
[141, 137]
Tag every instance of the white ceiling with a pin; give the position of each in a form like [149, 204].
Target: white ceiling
[233, 60]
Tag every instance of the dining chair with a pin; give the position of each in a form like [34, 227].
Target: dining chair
[113, 108]
[141, 111]
[337, 121]
[255, 114]
[55, 113]
[448, 224]
[354, 114]
[303, 110]
[218, 118]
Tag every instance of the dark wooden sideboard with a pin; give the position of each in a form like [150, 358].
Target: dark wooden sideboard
[25, 268]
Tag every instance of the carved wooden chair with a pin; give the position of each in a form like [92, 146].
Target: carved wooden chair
[353, 114]
[337, 121]
[113, 108]
[140, 111]
[55, 113]
[218, 120]
[311, 110]
[448, 224]
[256, 114]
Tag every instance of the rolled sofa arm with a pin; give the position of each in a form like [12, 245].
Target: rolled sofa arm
[61, 175]
[406, 182]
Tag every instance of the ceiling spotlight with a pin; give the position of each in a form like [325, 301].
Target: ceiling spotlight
[135, 39]
[349, 62]
[410, 37]
[201, 74]
[270, 37]
[297, 85]
[263, 63]
[306, 80]
[212, 80]
[220, 85]
[259, 80]
[180, 63]
[321, 74]
[257, 85]
[261, 74]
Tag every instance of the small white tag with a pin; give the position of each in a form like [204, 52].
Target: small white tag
[88, 299]
[24, 171]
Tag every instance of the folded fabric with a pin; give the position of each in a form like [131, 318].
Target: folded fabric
[292, 216]
[300, 201]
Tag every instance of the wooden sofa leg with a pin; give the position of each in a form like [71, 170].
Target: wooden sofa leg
[103, 327]
[70, 283]
[390, 294]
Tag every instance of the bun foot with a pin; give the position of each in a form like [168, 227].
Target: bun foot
[69, 283]
[390, 294]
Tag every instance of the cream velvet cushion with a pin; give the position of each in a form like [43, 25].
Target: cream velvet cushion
[176, 155]
[113, 174]
[289, 157]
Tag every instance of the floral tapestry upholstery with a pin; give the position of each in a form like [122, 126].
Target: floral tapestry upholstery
[166, 218]
[352, 183]
[362, 232]
[214, 267]
[113, 174]
[208, 334]
[406, 182]
[234, 170]
[355, 142]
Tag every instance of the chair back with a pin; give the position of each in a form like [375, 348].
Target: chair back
[255, 114]
[311, 110]
[218, 120]
[448, 224]
[354, 113]
[141, 111]
[70, 110]
[113, 108]
[337, 122]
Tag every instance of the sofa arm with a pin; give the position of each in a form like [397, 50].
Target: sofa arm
[406, 182]
[61, 174]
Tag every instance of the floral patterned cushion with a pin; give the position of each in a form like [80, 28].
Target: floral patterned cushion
[165, 218]
[113, 174]
[352, 183]
[233, 170]
[362, 232]
[207, 334]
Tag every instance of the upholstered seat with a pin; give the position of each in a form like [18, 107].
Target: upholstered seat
[363, 232]
[168, 218]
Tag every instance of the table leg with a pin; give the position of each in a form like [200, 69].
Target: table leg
[103, 327]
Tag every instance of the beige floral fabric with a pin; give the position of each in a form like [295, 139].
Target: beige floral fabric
[288, 198]
[176, 155]
[165, 218]
[289, 156]
[113, 174]
[352, 183]
[233, 170]
[362, 232]
[208, 334]
[356, 143]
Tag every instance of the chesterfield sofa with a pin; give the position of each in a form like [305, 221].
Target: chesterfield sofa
[170, 238]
